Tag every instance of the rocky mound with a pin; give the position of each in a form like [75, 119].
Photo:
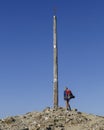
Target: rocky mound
[53, 119]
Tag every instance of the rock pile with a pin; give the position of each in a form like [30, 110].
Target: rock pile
[53, 119]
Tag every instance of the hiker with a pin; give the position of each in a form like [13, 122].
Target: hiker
[67, 96]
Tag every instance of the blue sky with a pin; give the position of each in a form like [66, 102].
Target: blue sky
[26, 54]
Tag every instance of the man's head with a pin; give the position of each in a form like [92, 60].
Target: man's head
[66, 88]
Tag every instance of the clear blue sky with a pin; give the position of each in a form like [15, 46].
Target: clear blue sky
[26, 54]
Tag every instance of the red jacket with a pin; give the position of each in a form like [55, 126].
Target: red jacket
[68, 92]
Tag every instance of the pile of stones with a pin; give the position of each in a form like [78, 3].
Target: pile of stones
[53, 119]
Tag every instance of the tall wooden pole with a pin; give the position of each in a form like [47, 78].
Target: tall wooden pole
[55, 64]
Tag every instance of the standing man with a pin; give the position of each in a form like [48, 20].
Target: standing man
[67, 96]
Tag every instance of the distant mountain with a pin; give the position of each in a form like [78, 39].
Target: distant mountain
[53, 119]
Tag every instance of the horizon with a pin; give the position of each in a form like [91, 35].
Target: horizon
[26, 55]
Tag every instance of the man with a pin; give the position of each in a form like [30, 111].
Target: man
[67, 96]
